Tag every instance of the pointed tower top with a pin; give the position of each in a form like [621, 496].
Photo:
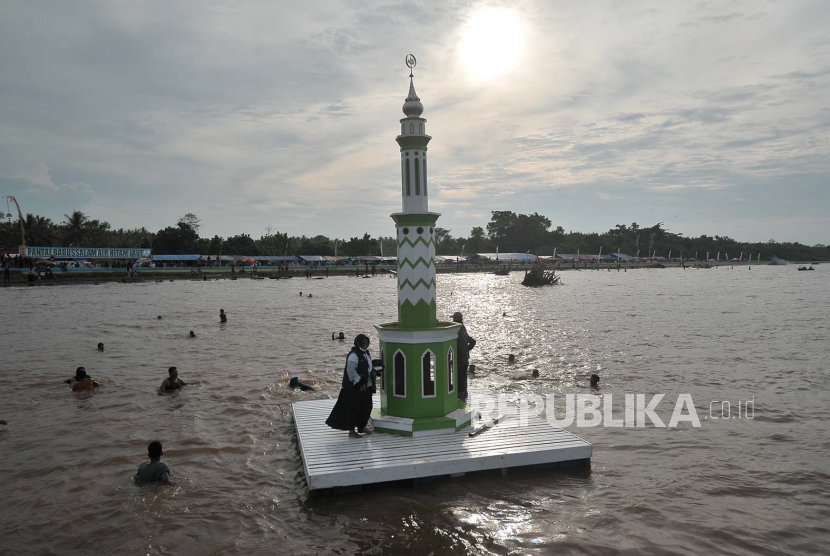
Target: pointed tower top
[412, 108]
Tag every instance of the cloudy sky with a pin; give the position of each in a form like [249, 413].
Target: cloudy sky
[713, 117]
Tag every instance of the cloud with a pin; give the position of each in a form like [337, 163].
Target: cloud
[252, 114]
[719, 18]
[38, 178]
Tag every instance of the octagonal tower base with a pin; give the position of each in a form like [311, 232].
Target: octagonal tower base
[419, 390]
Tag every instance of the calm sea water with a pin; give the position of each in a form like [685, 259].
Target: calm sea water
[732, 486]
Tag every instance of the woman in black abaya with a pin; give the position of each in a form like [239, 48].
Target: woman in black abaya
[354, 403]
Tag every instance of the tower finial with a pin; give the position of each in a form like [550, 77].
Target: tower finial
[410, 63]
[412, 107]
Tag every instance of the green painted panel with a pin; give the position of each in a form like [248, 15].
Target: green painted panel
[422, 315]
[415, 406]
[415, 219]
[413, 141]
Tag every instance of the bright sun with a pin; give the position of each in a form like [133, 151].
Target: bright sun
[492, 43]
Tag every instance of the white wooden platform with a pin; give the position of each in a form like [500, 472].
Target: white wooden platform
[332, 459]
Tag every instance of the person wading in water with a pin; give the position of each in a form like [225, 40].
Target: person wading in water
[172, 383]
[354, 404]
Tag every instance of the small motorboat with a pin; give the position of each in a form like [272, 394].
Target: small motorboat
[806, 268]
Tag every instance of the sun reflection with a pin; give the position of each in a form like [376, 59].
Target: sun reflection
[492, 43]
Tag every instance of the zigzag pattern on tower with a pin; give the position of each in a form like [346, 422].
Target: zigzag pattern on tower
[419, 261]
[422, 293]
[414, 274]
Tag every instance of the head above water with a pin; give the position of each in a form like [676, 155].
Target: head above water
[80, 373]
[362, 341]
[221, 311]
[159, 317]
[594, 380]
[341, 336]
[154, 450]
[100, 346]
[457, 317]
[535, 373]
[192, 334]
[173, 372]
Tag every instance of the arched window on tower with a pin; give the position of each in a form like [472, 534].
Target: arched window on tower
[428, 375]
[417, 176]
[450, 371]
[421, 127]
[382, 374]
[425, 175]
[403, 177]
[408, 191]
[411, 128]
[399, 376]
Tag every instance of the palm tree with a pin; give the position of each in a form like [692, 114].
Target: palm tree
[76, 228]
[39, 230]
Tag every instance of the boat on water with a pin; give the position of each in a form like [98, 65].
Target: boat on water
[806, 268]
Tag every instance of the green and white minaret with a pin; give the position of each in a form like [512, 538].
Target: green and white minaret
[419, 392]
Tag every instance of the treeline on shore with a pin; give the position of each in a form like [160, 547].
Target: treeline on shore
[507, 231]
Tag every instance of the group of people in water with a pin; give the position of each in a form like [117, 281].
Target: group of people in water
[82, 381]
[154, 471]
[351, 413]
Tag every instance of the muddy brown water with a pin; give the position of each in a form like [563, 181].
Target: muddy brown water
[732, 486]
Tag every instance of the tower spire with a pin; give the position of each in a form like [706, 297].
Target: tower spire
[412, 107]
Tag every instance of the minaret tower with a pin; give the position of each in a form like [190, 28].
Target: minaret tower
[419, 395]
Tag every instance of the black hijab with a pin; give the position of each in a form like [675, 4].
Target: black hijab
[359, 340]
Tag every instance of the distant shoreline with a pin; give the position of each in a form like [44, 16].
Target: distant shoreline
[147, 275]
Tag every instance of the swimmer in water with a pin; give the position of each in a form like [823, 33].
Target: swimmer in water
[83, 382]
[340, 336]
[100, 346]
[158, 317]
[154, 471]
[172, 383]
[80, 374]
[192, 334]
[222, 316]
[294, 382]
[511, 358]
[595, 381]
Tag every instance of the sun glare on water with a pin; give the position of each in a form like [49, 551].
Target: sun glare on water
[492, 43]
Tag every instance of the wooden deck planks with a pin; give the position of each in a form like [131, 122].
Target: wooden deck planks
[332, 459]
